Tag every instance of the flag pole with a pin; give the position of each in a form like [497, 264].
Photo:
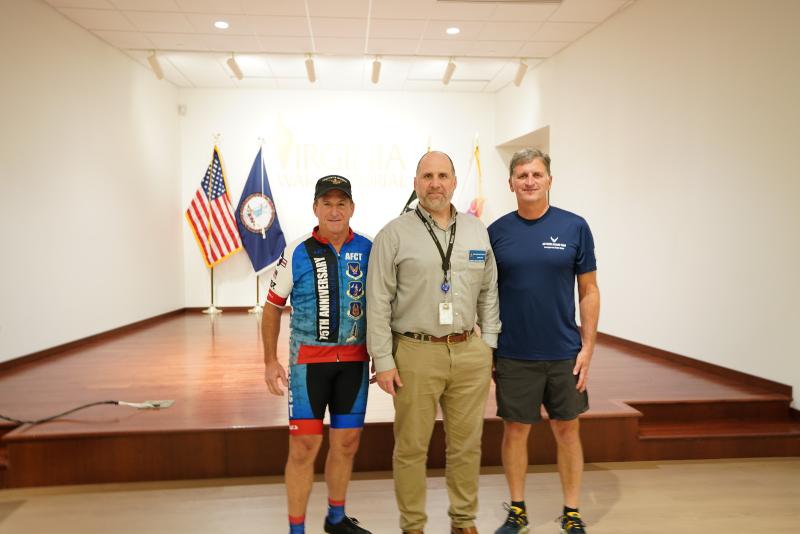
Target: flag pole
[212, 310]
[257, 308]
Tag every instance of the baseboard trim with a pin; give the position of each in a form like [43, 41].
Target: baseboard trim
[237, 309]
[775, 387]
[234, 309]
[27, 359]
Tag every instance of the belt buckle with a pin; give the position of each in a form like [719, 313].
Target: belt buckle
[448, 338]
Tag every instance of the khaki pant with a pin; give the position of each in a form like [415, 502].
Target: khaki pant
[456, 376]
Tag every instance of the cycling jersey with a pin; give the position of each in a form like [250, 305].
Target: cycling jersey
[327, 325]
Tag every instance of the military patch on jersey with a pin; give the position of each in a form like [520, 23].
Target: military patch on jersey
[356, 310]
[354, 270]
[355, 290]
[353, 332]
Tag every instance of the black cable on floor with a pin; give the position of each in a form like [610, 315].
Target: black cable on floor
[46, 419]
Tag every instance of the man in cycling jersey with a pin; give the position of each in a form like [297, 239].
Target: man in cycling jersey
[323, 273]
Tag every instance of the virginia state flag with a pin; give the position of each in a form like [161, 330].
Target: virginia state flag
[257, 219]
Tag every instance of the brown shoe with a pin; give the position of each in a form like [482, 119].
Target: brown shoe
[463, 530]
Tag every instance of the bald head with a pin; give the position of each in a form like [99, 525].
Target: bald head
[437, 153]
[435, 182]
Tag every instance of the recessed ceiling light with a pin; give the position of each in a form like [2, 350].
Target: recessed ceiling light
[453, 30]
[221, 24]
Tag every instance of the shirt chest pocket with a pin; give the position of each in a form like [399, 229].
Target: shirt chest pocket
[476, 259]
[476, 262]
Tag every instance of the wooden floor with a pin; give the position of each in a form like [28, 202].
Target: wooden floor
[742, 496]
[224, 423]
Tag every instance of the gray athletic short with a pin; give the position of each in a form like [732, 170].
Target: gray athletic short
[522, 386]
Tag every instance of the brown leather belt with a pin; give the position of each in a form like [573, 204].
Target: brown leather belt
[449, 338]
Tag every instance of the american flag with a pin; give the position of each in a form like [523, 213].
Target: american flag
[210, 216]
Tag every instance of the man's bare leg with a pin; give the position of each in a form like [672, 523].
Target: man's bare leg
[515, 457]
[570, 459]
[299, 473]
[339, 463]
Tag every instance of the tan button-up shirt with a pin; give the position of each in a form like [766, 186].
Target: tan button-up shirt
[404, 281]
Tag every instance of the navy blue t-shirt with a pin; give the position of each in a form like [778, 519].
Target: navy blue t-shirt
[537, 262]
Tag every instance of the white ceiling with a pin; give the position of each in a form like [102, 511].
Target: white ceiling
[271, 39]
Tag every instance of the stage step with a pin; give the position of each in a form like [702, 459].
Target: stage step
[768, 416]
[723, 428]
[767, 407]
[719, 429]
[3, 467]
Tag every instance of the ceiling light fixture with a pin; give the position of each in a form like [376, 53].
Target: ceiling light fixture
[453, 30]
[221, 25]
[310, 72]
[448, 72]
[155, 65]
[376, 70]
[234, 66]
[521, 70]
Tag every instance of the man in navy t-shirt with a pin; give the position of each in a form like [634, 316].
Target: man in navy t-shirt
[543, 356]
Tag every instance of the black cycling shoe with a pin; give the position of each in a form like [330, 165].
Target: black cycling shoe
[348, 525]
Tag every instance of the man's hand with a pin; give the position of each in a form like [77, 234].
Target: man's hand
[581, 369]
[274, 375]
[387, 381]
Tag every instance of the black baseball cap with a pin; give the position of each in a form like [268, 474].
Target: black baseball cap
[331, 182]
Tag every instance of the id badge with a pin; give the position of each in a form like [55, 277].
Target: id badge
[445, 313]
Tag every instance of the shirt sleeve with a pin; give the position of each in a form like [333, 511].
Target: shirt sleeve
[381, 292]
[281, 281]
[488, 308]
[488, 303]
[585, 261]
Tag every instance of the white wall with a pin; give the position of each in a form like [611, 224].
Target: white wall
[674, 130]
[373, 138]
[90, 205]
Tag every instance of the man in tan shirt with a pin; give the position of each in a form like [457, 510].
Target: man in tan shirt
[431, 273]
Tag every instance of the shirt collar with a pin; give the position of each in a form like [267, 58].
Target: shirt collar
[427, 214]
[315, 235]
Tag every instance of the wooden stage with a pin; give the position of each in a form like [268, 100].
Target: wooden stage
[645, 405]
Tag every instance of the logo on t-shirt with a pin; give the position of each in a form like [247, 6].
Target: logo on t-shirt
[554, 244]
